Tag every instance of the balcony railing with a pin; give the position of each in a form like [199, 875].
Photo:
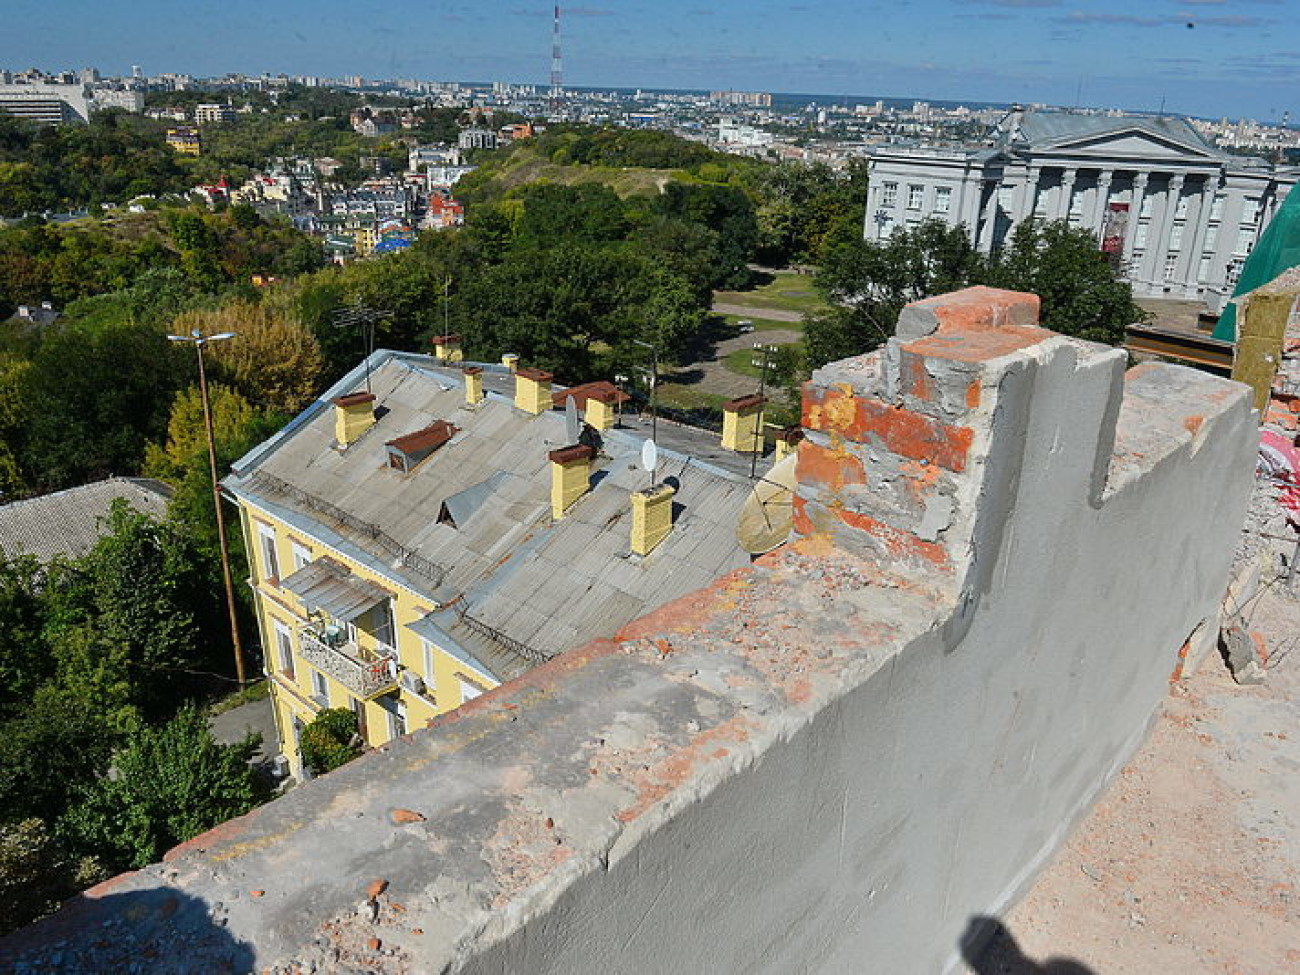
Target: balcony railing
[363, 672]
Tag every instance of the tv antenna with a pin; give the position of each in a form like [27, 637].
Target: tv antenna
[572, 425]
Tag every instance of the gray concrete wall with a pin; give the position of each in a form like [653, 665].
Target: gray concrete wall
[829, 763]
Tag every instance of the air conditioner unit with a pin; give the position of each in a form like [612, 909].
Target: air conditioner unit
[412, 682]
[280, 767]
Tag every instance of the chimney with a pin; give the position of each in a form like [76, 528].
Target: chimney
[354, 414]
[742, 424]
[447, 348]
[473, 385]
[652, 517]
[511, 361]
[787, 441]
[570, 476]
[599, 413]
[533, 391]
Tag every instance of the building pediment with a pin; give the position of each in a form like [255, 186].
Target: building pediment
[1129, 144]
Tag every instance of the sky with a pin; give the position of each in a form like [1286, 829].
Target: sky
[1200, 57]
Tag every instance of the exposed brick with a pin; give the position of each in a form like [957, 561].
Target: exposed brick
[901, 544]
[836, 410]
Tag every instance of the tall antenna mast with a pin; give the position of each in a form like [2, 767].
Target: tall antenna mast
[557, 69]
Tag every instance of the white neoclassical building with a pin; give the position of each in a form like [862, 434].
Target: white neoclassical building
[1178, 215]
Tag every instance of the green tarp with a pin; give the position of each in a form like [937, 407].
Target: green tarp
[1278, 250]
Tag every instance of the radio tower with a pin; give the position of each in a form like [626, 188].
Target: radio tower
[557, 72]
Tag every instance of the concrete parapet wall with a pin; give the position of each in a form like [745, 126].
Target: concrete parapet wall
[830, 762]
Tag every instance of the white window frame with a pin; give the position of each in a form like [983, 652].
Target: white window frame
[283, 646]
[428, 651]
[301, 555]
[1171, 267]
[889, 194]
[1216, 206]
[397, 721]
[1140, 235]
[270, 554]
[1176, 237]
[942, 199]
[1245, 238]
[915, 196]
[468, 690]
[1211, 237]
[320, 688]
[1203, 273]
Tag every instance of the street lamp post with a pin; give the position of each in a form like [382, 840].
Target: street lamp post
[199, 340]
[654, 386]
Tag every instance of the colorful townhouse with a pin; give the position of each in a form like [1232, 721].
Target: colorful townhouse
[430, 529]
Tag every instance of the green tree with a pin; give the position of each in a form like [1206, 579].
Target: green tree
[1081, 294]
[36, 873]
[169, 784]
[330, 740]
[24, 662]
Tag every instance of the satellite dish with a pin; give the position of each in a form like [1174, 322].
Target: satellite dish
[649, 456]
[572, 425]
[768, 512]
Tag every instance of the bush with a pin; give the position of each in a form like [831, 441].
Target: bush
[329, 741]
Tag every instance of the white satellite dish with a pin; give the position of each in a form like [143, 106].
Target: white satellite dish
[572, 425]
[650, 456]
[768, 513]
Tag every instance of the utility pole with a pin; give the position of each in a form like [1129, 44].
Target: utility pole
[199, 341]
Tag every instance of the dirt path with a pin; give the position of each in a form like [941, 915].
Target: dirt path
[1190, 863]
[746, 311]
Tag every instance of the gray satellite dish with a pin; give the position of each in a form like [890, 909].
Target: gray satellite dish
[572, 425]
[650, 457]
[768, 513]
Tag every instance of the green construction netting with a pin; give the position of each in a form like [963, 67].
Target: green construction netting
[1278, 250]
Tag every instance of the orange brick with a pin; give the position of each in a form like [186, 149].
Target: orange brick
[900, 544]
[828, 468]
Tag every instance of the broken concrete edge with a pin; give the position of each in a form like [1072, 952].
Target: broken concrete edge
[762, 674]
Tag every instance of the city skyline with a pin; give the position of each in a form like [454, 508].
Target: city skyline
[1062, 52]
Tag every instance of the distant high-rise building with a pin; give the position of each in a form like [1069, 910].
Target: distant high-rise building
[46, 103]
[137, 72]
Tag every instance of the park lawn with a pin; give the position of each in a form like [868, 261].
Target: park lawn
[786, 290]
[741, 362]
[681, 396]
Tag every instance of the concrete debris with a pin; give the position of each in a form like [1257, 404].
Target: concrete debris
[1240, 652]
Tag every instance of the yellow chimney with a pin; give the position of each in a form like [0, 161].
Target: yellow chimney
[570, 476]
[533, 390]
[599, 413]
[447, 348]
[652, 517]
[742, 424]
[787, 441]
[354, 414]
[473, 385]
[511, 361]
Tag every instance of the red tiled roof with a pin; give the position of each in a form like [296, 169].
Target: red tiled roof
[430, 438]
[601, 390]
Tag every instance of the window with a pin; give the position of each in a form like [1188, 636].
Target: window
[1148, 206]
[301, 555]
[320, 689]
[270, 563]
[942, 199]
[468, 691]
[284, 648]
[1171, 266]
[1216, 207]
[1180, 210]
[382, 615]
[1140, 235]
[1176, 237]
[1250, 211]
[1211, 237]
[1203, 274]
[1076, 204]
[1245, 237]
[1006, 197]
[397, 720]
[915, 194]
[889, 195]
[429, 668]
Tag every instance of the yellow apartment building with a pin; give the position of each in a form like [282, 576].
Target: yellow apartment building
[416, 545]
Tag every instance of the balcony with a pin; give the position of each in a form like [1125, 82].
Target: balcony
[363, 672]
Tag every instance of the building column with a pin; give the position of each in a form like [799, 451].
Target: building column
[1202, 216]
[1097, 222]
[1167, 216]
[1026, 198]
[1066, 194]
[1134, 216]
[988, 221]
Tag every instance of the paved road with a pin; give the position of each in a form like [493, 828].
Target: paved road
[231, 726]
[746, 311]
